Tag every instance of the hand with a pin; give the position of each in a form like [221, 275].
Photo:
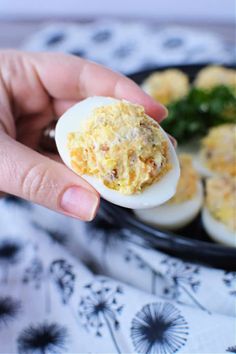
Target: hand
[35, 89]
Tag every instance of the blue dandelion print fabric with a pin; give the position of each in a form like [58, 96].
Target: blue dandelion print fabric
[42, 338]
[73, 287]
[130, 46]
[91, 295]
[159, 328]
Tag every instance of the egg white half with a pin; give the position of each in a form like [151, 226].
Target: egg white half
[173, 216]
[217, 230]
[156, 194]
[201, 167]
[193, 148]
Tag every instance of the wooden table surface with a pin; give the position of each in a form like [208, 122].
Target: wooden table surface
[14, 33]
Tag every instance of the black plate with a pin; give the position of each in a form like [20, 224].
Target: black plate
[191, 70]
[191, 243]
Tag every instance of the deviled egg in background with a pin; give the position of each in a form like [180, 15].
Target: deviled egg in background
[219, 213]
[215, 75]
[218, 152]
[167, 86]
[203, 106]
[123, 153]
[184, 206]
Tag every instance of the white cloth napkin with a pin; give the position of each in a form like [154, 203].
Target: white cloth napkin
[50, 302]
[132, 46]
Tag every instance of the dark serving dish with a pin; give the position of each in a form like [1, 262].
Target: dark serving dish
[190, 243]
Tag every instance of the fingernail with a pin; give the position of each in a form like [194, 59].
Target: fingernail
[80, 202]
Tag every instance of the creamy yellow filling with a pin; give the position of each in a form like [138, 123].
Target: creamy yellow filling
[121, 146]
[167, 86]
[188, 182]
[219, 149]
[215, 75]
[221, 199]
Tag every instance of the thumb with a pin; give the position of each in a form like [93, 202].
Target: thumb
[27, 174]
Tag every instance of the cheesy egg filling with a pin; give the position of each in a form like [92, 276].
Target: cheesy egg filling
[167, 86]
[121, 146]
[188, 183]
[221, 199]
[219, 149]
[215, 75]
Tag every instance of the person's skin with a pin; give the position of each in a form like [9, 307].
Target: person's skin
[36, 88]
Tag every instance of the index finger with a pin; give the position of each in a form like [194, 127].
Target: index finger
[66, 77]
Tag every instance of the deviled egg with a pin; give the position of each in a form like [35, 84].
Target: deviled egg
[123, 153]
[184, 206]
[219, 213]
[218, 152]
[167, 86]
[215, 75]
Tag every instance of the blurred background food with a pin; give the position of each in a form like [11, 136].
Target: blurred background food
[193, 109]
[213, 75]
[219, 213]
[167, 86]
[217, 153]
[181, 209]
[202, 116]
[183, 56]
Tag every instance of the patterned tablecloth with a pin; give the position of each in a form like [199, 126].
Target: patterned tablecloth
[71, 287]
